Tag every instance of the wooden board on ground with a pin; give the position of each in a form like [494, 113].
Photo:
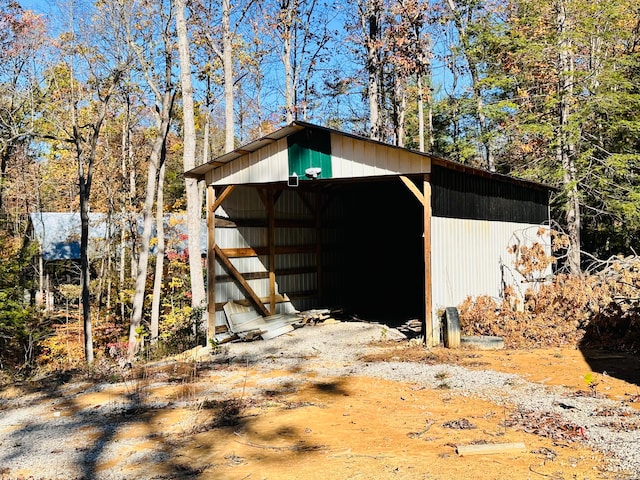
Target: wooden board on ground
[490, 448]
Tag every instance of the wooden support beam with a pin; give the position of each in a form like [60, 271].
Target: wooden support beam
[279, 250]
[429, 339]
[306, 202]
[211, 262]
[263, 197]
[412, 187]
[240, 252]
[225, 193]
[240, 281]
[265, 275]
[271, 237]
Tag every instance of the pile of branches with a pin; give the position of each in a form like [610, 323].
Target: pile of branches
[599, 309]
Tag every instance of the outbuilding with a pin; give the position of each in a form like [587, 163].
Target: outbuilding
[310, 217]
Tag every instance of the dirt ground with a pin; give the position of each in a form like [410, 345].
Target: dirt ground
[348, 427]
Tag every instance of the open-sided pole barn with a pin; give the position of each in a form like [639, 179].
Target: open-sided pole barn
[309, 217]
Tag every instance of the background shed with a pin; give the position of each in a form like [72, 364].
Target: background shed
[309, 217]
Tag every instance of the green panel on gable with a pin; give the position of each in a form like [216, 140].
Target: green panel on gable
[310, 149]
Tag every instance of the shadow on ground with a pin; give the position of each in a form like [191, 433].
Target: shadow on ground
[622, 366]
[92, 436]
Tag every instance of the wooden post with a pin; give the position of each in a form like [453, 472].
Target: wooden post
[211, 263]
[271, 213]
[428, 307]
[424, 197]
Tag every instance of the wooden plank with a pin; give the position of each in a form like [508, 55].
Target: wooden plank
[278, 250]
[490, 448]
[428, 307]
[264, 275]
[240, 252]
[240, 281]
[284, 249]
[412, 187]
[261, 223]
[263, 197]
[279, 299]
[211, 263]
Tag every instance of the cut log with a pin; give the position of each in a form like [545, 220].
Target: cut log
[490, 448]
[451, 328]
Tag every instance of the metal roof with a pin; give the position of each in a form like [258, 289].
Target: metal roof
[283, 132]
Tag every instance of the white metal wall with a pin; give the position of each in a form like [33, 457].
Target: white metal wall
[356, 158]
[470, 258]
[268, 164]
[351, 158]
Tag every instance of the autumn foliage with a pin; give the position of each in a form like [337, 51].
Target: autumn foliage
[598, 309]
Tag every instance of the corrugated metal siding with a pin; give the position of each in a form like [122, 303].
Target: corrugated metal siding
[459, 195]
[470, 258]
[350, 158]
[269, 164]
[245, 204]
[310, 148]
[355, 158]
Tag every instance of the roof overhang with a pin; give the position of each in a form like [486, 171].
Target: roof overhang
[200, 171]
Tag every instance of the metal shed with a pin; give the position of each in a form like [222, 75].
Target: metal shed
[310, 217]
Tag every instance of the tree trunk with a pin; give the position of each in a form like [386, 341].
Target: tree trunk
[475, 84]
[565, 147]
[227, 61]
[156, 161]
[158, 277]
[399, 107]
[371, 27]
[288, 11]
[85, 188]
[194, 203]
[420, 114]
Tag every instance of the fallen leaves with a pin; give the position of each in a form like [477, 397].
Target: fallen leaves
[460, 424]
[546, 424]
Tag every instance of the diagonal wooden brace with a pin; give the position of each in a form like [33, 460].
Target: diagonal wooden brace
[240, 281]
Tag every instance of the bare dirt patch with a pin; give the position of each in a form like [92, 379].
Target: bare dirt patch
[276, 416]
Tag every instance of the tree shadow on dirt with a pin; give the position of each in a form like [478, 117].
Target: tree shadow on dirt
[622, 366]
[607, 343]
[126, 433]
